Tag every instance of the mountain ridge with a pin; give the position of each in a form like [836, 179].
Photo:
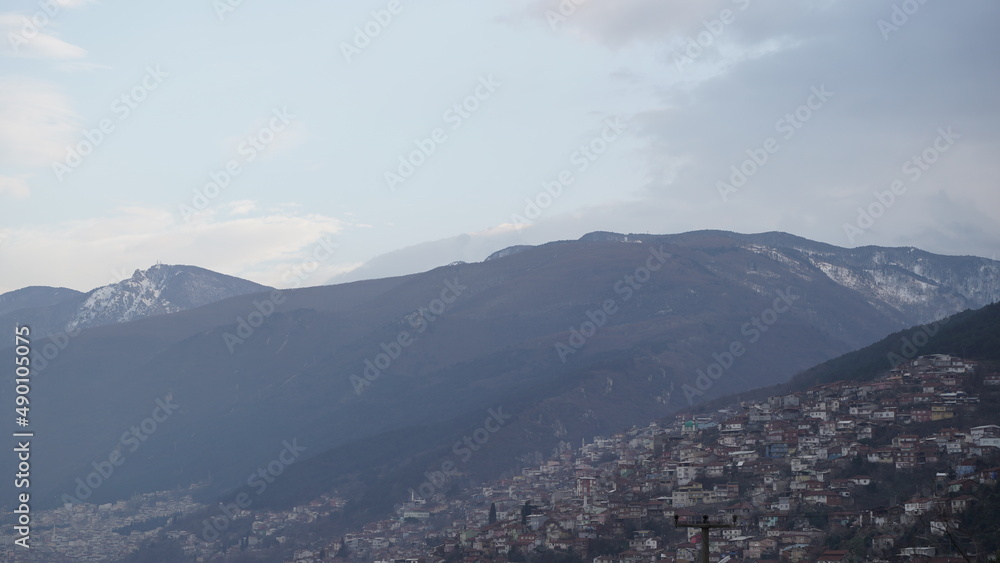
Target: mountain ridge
[491, 340]
[160, 289]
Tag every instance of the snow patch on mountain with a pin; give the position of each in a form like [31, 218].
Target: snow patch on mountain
[794, 265]
[124, 301]
[908, 283]
[160, 290]
[843, 276]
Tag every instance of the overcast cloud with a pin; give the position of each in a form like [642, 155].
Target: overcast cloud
[312, 124]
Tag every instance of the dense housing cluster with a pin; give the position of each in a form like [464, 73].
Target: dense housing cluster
[861, 466]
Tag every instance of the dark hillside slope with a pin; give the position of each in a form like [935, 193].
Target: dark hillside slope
[571, 338]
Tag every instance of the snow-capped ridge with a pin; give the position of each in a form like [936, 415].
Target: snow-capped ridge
[159, 290]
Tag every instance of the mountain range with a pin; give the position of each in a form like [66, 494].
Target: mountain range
[158, 290]
[381, 381]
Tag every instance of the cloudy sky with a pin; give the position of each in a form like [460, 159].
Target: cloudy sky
[248, 137]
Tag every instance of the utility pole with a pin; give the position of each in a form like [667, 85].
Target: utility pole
[705, 526]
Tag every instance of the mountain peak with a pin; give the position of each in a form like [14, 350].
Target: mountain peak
[158, 290]
[552, 331]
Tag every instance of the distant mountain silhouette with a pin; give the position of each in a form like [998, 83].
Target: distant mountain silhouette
[569, 338]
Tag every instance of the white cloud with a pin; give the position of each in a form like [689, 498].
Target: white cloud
[24, 39]
[743, 77]
[14, 186]
[241, 207]
[38, 122]
[264, 247]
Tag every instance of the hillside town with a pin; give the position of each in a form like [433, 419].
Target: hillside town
[843, 471]
[783, 469]
[100, 532]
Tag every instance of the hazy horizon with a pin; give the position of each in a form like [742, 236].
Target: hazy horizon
[239, 137]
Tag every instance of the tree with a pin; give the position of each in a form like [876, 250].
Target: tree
[493, 513]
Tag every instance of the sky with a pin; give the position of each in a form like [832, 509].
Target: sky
[299, 143]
